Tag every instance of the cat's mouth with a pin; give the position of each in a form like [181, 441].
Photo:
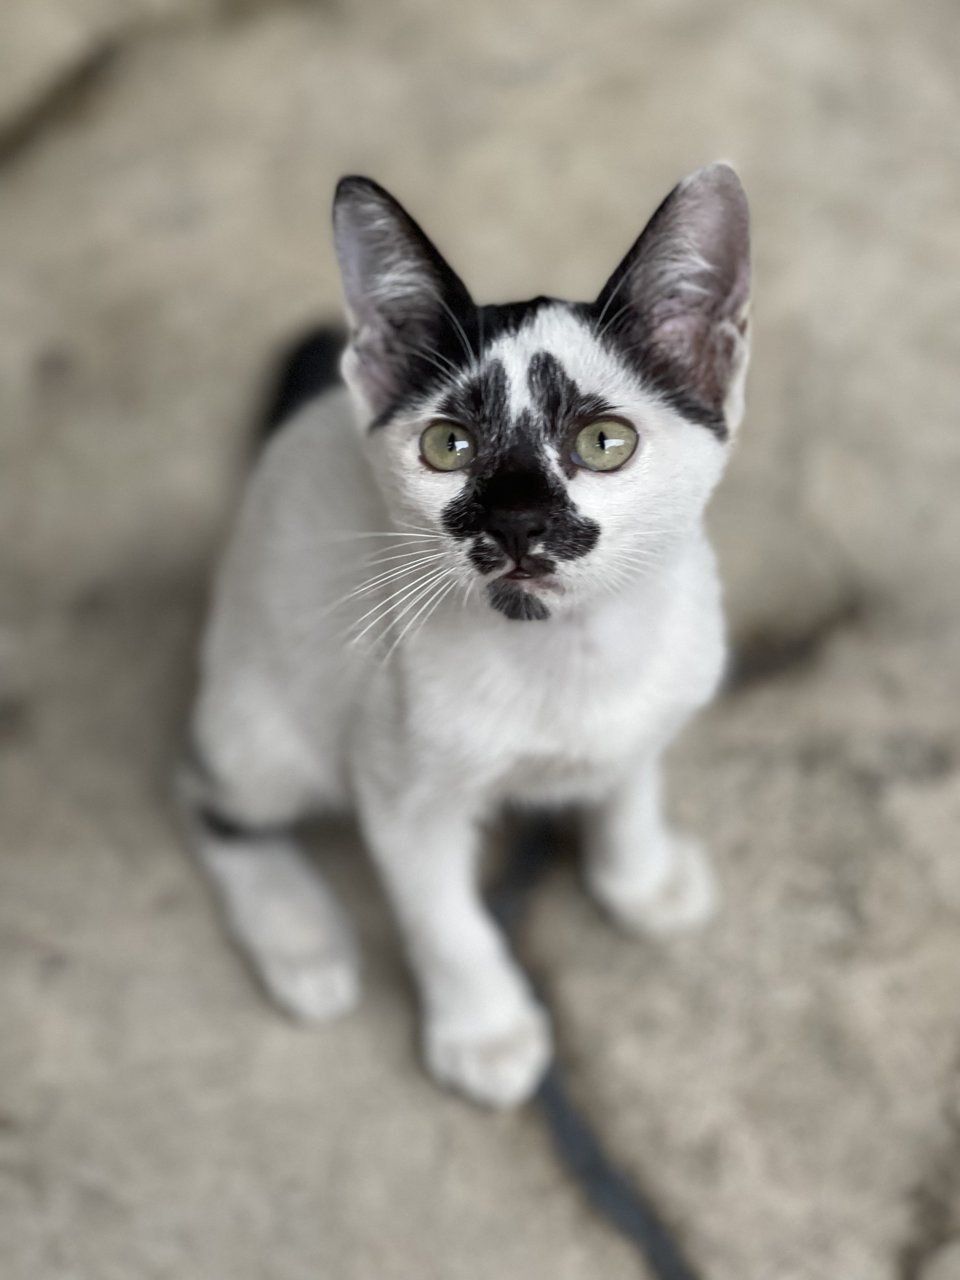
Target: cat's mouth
[529, 570]
[519, 591]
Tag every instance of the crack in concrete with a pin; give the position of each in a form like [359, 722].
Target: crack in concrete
[935, 1201]
[63, 98]
[763, 655]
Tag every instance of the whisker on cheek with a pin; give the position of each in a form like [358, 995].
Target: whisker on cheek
[399, 555]
[425, 610]
[380, 583]
[384, 608]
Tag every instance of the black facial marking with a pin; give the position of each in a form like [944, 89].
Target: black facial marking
[515, 603]
[574, 538]
[455, 343]
[520, 481]
[485, 557]
[559, 400]
[515, 510]
[674, 308]
[481, 402]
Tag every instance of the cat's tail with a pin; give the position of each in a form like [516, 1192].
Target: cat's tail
[305, 370]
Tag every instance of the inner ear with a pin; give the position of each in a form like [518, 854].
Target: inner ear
[678, 302]
[407, 308]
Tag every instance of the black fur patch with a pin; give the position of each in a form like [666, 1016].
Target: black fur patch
[482, 402]
[515, 603]
[307, 370]
[512, 500]
[575, 537]
[457, 343]
[558, 398]
[484, 557]
[512, 484]
[451, 352]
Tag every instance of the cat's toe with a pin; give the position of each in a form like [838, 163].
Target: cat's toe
[501, 1070]
[313, 988]
[686, 898]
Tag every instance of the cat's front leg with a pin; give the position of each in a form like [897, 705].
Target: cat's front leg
[484, 1033]
[647, 877]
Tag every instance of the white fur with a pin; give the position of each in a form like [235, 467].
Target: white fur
[427, 728]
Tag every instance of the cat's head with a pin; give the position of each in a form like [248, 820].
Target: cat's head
[555, 448]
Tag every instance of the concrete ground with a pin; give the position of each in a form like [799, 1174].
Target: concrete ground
[785, 1083]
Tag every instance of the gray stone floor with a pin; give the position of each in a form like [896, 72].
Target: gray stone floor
[786, 1082]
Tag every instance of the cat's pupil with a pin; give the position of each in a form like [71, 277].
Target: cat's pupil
[602, 440]
[451, 443]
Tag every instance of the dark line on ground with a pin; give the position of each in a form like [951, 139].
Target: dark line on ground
[762, 655]
[624, 1204]
[63, 98]
[935, 1205]
[15, 717]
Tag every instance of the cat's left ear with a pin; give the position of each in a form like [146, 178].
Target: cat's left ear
[401, 295]
[679, 301]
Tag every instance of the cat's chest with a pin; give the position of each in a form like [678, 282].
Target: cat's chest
[543, 705]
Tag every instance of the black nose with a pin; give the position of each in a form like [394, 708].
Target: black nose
[516, 530]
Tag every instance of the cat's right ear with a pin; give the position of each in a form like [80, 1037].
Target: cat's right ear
[401, 295]
[679, 300]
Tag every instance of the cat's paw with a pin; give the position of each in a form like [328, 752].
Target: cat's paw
[310, 988]
[287, 924]
[685, 897]
[497, 1070]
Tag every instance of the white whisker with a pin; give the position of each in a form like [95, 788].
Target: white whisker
[613, 320]
[382, 580]
[468, 350]
[483, 386]
[383, 607]
[418, 528]
[387, 600]
[399, 613]
[429, 605]
[447, 368]
[395, 555]
[606, 306]
[341, 536]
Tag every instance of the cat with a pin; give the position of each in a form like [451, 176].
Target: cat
[474, 573]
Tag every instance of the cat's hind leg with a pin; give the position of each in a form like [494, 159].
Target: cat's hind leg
[647, 877]
[276, 907]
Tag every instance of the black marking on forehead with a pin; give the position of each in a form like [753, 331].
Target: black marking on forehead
[557, 397]
[456, 344]
[481, 401]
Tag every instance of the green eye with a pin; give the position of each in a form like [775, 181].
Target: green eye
[604, 445]
[446, 446]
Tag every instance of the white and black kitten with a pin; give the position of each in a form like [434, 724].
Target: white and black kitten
[476, 575]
